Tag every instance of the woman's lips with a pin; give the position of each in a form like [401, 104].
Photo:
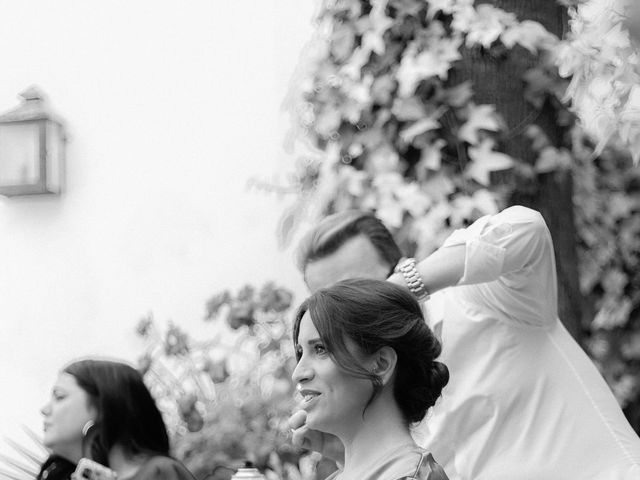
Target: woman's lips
[309, 397]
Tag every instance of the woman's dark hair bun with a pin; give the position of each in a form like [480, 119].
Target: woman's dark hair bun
[439, 375]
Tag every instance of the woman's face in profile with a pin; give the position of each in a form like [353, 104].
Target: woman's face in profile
[66, 413]
[334, 400]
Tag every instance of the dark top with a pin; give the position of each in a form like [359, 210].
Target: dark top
[162, 468]
[56, 468]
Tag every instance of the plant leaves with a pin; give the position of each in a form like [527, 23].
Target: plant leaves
[410, 133]
[528, 34]
[480, 117]
[485, 160]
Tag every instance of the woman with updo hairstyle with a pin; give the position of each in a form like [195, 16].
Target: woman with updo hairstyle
[101, 410]
[366, 372]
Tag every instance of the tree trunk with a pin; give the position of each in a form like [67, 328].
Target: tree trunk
[499, 81]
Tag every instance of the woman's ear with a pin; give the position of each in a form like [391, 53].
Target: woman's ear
[385, 361]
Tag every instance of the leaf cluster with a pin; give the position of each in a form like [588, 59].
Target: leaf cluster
[602, 57]
[227, 395]
[607, 209]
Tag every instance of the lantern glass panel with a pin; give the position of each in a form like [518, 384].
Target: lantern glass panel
[55, 153]
[19, 154]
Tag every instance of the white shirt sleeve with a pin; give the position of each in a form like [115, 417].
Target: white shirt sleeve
[511, 254]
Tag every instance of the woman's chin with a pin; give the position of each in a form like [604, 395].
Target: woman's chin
[315, 423]
[55, 447]
[47, 442]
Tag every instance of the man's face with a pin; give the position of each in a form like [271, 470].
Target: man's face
[357, 257]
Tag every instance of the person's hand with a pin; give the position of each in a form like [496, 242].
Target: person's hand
[89, 470]
[304, 437]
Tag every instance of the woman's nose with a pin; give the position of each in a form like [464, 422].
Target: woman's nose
[46, 409]
[302, 373]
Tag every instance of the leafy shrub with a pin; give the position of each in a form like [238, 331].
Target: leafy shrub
[227, 397]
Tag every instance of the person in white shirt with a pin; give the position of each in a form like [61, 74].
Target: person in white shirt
[524, 401]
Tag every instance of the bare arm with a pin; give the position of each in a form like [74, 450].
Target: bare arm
[443, 268]
[509, 242]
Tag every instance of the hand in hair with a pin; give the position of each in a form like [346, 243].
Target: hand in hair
[303, 437]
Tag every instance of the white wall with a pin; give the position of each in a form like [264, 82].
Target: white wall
[171, 106]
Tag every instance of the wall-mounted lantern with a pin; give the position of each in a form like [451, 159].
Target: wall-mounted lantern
[32, 147]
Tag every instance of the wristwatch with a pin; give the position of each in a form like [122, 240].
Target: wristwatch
[407, 267]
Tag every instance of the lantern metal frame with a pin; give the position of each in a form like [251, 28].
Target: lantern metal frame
[34, 110]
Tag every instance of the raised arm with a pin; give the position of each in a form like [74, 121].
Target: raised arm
[513, 245]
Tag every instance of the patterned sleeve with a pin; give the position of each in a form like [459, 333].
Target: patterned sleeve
[436, 472]
[428, 469]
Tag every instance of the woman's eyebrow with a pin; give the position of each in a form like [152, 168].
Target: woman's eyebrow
[313, 341]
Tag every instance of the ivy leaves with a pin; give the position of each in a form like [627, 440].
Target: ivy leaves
[480, 117]
[436, 61]
[602, 58]
[486, 160]
[386, 117]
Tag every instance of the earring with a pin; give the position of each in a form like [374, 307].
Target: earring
[87, 426]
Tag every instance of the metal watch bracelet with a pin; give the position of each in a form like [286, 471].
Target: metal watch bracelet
[413, 279]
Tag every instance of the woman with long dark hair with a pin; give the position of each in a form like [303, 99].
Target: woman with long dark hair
[366, 372]
[102, 410]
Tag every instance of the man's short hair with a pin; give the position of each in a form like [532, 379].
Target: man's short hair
[335, 230]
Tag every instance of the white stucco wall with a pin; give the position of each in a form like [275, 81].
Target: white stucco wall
[171, 106]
